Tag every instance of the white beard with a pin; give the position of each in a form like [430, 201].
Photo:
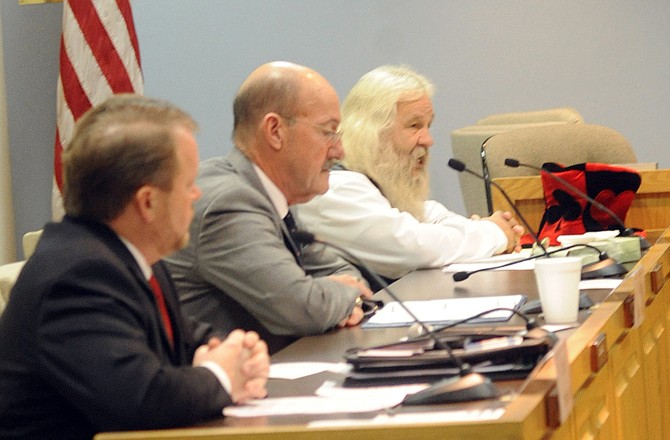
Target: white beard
[402, 184]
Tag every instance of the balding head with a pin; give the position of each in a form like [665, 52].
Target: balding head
[277, 87]
[286, 122]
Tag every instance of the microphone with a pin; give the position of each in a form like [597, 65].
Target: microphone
[465, 387]
[603, 268]
[625, 232]
[460, 167]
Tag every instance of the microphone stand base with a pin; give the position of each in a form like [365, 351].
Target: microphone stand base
[603, 269]
[467, 388]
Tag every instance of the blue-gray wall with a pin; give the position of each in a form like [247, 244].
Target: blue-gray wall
[608, 59]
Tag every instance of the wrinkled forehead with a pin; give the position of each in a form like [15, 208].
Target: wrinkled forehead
[318, 100]
[415, 108]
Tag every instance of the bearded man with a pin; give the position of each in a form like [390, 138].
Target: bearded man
[377, 205]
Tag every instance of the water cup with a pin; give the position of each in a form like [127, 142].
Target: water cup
[558, 287]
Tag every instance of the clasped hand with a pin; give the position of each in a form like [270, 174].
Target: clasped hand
[511, 227]
[244, 357]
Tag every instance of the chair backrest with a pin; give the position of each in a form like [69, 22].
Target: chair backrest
[564, 144]
[30, 240]
[466, 144]
[566, 115]
[8, 275]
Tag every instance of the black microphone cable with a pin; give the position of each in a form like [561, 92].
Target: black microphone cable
[305, 237]
[468, 385]
[464, 275]
[460, 167]
[531, 323]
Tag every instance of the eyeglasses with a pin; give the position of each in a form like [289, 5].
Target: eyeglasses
[333, 136]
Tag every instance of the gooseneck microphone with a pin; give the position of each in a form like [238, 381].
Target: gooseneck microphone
[625, 232]
[604, 267]
[460, 167]
[467, 386]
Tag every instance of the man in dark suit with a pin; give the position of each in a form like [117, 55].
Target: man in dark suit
[92, 338]
[242, 267]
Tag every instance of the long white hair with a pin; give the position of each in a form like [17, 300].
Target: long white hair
[369, 112]
[368, 116]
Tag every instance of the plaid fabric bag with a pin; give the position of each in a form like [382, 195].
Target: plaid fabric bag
[567, 213]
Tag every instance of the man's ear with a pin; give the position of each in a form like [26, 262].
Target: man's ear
[274, 130]
[145, 203]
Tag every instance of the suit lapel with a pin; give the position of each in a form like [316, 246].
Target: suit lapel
[114, 243]
[245, 168]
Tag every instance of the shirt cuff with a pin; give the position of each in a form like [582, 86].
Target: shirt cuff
[499, 237]
[220, 374]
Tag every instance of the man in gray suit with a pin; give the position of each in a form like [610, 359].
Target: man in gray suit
[242, 269]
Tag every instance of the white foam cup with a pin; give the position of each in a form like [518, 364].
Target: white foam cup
[558, 286]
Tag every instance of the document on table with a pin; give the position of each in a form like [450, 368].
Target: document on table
[333, 399]
[445, 311]
[329, 399]
[296, 370]
[493, 262]
[600, 283]
[445, 416]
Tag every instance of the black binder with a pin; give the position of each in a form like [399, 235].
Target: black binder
[499, 354]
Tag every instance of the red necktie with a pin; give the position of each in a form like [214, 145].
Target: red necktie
[162, 307]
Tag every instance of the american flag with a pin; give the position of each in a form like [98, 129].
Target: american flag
[99, 57]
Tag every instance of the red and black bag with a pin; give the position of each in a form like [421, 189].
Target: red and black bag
[566, 213]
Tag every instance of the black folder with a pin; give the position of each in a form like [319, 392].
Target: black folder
[417, 360]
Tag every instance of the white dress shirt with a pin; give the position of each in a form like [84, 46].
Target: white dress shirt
[355, 215]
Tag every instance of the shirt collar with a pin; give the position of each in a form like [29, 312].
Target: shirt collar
[139, 258]
[277, 198]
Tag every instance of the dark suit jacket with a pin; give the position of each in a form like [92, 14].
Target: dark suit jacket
[237, 270]
[82, 347]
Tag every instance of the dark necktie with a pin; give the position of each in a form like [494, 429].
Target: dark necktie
[162, 307]
[288, 240]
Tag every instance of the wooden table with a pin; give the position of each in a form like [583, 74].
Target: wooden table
[618, 373]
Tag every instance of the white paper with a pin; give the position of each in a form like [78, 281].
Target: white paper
[554, 328]
[329, 400]
[446, 416]
[600, 283]
[587, 237]
[442, 311]
[469, 267]
[497, 260]
[502, 258]
[489, 261]
[296, 370]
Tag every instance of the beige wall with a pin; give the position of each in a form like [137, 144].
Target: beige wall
[7, 252]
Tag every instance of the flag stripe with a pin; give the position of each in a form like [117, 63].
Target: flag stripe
[65, 116]
[99, 56]
[118, 30]
[76, 99]
[124, 9]
[101, 46]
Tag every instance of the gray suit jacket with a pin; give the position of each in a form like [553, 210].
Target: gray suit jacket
[237, 272]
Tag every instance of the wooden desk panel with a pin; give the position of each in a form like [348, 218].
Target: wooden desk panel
[650, 209]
